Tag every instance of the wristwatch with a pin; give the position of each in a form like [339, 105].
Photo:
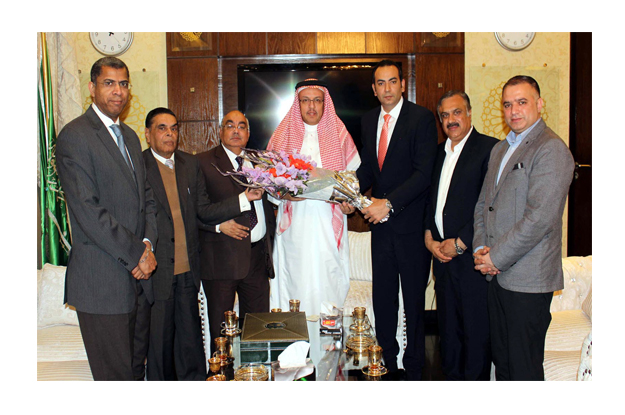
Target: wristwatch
[388, 204]
[459, 250]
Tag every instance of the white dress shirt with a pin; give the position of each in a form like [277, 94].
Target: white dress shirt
[258, 232]
[391, 123]
[107, 121]
[447, 172]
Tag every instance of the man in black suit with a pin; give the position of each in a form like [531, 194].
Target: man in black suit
[112, 212]
[236, 254]
[461, 291]
[399, 147]
[175, 349]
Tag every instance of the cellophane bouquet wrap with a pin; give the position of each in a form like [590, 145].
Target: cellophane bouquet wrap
[279, 173]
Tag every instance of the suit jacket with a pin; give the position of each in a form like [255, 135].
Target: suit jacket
[223, 257]
[194, 204]
[407, 171]
[520, 218]
[110, 214]
[464, 189]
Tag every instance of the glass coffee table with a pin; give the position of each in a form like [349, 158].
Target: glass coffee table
[336, 357]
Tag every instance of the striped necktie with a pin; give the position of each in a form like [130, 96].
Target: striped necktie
[122, 145]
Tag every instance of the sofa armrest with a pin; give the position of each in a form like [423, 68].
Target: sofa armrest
[577, 283]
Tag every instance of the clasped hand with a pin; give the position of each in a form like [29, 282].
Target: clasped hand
[147, 264]
[483, 263]
[377, 211]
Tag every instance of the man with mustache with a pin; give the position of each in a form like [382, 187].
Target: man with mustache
[175, 350]
[461, 291]
[312, 250]
[235, 255]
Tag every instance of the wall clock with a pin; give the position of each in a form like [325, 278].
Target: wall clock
[515, 41]
[111, 43]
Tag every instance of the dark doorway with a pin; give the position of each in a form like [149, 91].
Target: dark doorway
[580, 142]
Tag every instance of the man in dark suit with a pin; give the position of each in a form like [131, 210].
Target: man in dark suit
[399, 148]
[236, 254]
[175, 350]
[518, 231]
[112, 213]
[461, 291]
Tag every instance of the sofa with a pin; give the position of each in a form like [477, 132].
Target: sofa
[568, 349]
[61, 353]
[568, 345]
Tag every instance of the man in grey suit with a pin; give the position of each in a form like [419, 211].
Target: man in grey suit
[518, 232]
[112, 215]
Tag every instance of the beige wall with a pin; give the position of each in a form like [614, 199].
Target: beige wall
[488, 66]
[147, 61]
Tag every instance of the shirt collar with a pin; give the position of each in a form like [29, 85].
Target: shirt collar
[105, 120]
[232, 156]
[514, 140]
[458, 148]
[395, 111]
[310, 128]
[161, 158]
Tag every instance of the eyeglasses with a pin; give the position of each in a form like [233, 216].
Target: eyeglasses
[306, 101]
[239, 127]
[112, 84]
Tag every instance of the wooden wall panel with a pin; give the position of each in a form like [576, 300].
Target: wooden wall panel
[192, 88]
[284, 43]
[436, 74]
[437, 42]
[340, 42]
[389, 42]
[197, 137]
[242, 43]
[191, 44]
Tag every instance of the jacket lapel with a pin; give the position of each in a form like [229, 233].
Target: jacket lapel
[111, 146]
[154, 176]
[519, 153]
[398, 132]
[182, 181]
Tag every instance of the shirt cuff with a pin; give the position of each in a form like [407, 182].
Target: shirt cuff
[151, 244]
[478, 248]
[244, 204]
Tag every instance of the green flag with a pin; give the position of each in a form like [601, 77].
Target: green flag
[55, 234]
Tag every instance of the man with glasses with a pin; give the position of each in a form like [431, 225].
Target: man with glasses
[112, 212]
[235, 255]
[311, 255]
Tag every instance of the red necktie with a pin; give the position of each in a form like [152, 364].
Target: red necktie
[383, 146]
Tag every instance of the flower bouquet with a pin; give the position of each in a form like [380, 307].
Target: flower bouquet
[279, 173]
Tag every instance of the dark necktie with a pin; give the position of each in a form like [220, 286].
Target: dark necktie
[250, 213]
[122, 146]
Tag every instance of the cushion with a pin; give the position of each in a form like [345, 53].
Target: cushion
[359, 295]
[60, 343]
[567, 331]
[50, 292]
[561, 365]
[69, 370]
[360, 256]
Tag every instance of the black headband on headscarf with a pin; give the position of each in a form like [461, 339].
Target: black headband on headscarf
[311, 82]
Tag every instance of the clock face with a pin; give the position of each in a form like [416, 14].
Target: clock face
[111, 43]
[515, 41]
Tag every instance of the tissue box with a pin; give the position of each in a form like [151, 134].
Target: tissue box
[265, 335]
